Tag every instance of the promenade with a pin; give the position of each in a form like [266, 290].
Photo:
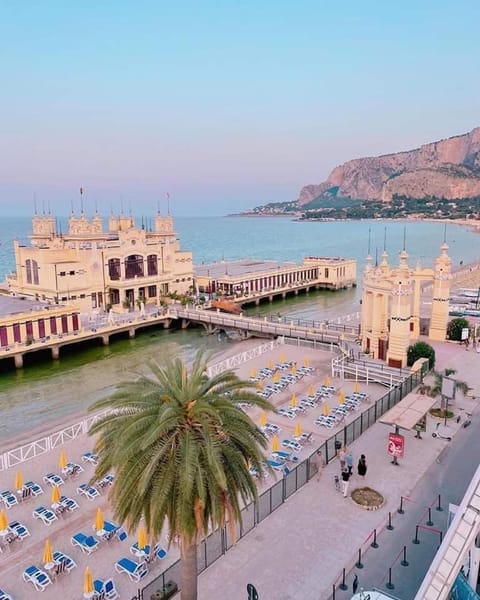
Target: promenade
[299, 551]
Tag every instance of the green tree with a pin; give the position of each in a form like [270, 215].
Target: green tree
[181, 449]
[421, 350]
[436, 388]
[454, 328]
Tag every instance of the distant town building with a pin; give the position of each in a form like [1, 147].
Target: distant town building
[391, 305]
[94, 269]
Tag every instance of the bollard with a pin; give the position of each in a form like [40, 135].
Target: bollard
[333, 592]
[429, 522]
[389, 585]
[416, 540]
[390, 526]
[374, 543]
[343, 585]
[439, 505]
[404, 562]
[359, 563]
[400, 511]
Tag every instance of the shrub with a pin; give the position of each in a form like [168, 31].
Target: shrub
[421, 350]
[454, 328]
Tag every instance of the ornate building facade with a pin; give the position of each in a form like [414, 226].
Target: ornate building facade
[391, 298]
[95, 269]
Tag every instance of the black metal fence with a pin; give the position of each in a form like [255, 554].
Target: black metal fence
[218, 542]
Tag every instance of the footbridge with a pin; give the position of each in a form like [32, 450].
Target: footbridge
[316, 331]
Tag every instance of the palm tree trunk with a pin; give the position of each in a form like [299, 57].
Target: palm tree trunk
[188, 573]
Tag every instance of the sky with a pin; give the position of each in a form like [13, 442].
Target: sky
[223, 105]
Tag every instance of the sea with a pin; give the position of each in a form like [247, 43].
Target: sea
[48, 390]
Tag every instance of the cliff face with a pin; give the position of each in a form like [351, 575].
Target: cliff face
[449, 168]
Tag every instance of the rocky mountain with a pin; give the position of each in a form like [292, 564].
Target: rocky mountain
[448, 168]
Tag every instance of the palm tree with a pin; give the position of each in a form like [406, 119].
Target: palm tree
[436, 388]
[181, 449]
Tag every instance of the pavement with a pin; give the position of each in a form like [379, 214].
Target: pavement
[299, 551]
[296, 552]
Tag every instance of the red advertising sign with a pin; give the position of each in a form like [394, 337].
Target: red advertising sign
[396, 444]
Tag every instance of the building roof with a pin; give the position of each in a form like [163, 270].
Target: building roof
[408, 412]
[12, 305]
[241, 267]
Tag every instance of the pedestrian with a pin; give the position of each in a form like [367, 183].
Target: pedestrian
[362, 466]
[349, 461]
[345, 481]
[342, 456]
[319, 462]
[355, 584]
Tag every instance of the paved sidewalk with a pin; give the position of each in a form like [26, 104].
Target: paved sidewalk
[300, 550]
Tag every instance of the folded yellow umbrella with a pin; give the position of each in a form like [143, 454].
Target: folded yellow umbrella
[275, 443]
[326, 380]
[3, 521]
[18, 480]
[326, 409]
[253, 373]
[306, 361]
[298, 430]
[62, 461]
[293, 401]
[99, 520]
[141, 538]
[311, 390]
[356, 387]
[276, 377]
[294, 370]
[47, 553]
[55, 494]
[341, 397]
[259, 385]
[263, 419]
[283, 357]
[88, 582]
[270, 364]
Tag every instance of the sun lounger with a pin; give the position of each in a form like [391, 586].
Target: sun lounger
[121, 535]
[86, 543]
[18, 529]
[295, 446]
[4, 595]
[39, 578]
[105, 589]
[275, 465]
[45, 514]
[107, 480]
[72, 469]
[53, 479]
[136, 552]
[91, 458]
[36, 490]
[69, 503]
[90, 492]
[159, 552]
[62, 559]
[8, 498]
[134, 570]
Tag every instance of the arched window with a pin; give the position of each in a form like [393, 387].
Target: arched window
[114, 268]
[28, 266]
[134, 266]
[35, 272]
[152, 264]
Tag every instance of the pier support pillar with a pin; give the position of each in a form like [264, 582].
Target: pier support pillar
[131, 333]
[167, 323]
[257, 302]
[185, 323]
[284, 295]
[18, 360]
[296, 292]
[105, 339]
[270, 298]
[55, 352]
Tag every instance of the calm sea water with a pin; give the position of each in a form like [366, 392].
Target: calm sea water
[47, 389]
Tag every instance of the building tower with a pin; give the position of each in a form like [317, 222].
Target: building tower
[400, 314]
[441, 292]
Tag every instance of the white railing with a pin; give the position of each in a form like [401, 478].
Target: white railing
[239, 359]
[15, 456]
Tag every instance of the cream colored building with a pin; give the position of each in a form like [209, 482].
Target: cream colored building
[90, 268]
[391, 299]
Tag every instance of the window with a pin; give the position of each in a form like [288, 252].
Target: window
[326, 273]
[29, 327]
[94, 300]
[62, 273]
[152, 291]
[41, 328]
[75, 322]
[134, 266]
[114, 268]
[71, 273]
[64, 324]
[115, 297]
[28, 266]
[3, 336]
[152, 264]
[53, 325]
[16, 332]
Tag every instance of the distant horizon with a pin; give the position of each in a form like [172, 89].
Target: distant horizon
[225, 106]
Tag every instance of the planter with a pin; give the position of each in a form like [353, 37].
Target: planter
[367, 498]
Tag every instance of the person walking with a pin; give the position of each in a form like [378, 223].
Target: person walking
[345, 481]
[362, 466]
[349, 462]
[355, 584]
[342, 455]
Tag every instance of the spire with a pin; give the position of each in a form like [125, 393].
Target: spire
[385, 240]
[404, 238]
[81, 200]
[369, 240]
[35, 203]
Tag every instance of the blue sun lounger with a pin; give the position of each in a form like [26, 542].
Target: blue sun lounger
[86, 543]
[4, 595]
[39, 578]
[134, 570]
